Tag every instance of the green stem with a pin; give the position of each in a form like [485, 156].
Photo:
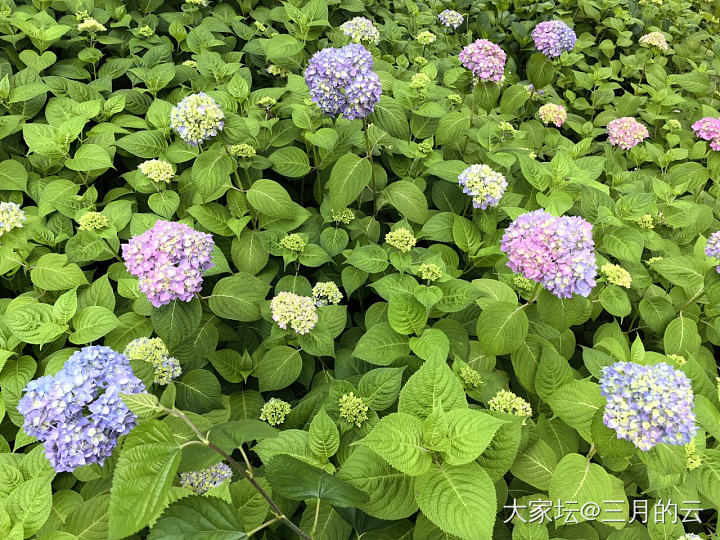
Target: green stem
[368, 148]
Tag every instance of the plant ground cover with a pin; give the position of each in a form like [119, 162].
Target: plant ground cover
[343, 269]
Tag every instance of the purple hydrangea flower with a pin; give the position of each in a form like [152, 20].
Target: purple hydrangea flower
[449, 18]
[78, 413]
[169, 260]
[484, 185]
[648, 405]
[708, 129]
[557, 252]
[342, 81]
[626, 132]
[485, 59]
[203, 481]
[553, 37]
[712, 248]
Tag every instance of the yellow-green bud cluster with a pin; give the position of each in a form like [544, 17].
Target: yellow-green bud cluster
[616, 275]
[401, 238]
[353, 409]
[677, 359]
[202, 3]
[278, 71]
[673, 125]
[292, 309]
[242, 150]
[266, 102]
[506, 126]
[455, 99]
[430, 271]
[507, 402]
[146, 31]
[91, 26]
[425, 147]
[11, 216]
[646, 222]
[470, 377]
[81, 15]
[693, 460]
[157, 170]
[275, 411]
[418, 81]
[293, 242]
[343, 216]
[260, 26]
[190, 64]
[426, 38]
[522, 284]
[92, 221]
[326, 292]
[420, 61]
[153, 351]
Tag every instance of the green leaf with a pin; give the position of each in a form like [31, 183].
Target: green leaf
[324, 437]
[470, 432]
[91, 324]
[380, 345]
[164, 203]
[29, 504]
[459, 500]
[576, 404]
[238, 297]
[211, 173]
[89, 157]
[13, 175]
[433, 383]
[370, 258]
[390, 116]
[144, 405]
[143, 475]
[535, 465]
[513, 98]
[380, 387]
[52, 273]
[540, 70]
[176, 321]
[199, 517]
[229, 364]
[433, 344]
[681, 337]
[406, 314]
[685, 271]
[270, 198]
[198, 391]
[144, 144]
[615, 301]
[562, 313]
[398, 439]
[279, 368]
[501, 328]
[408, 199]
[290, 161]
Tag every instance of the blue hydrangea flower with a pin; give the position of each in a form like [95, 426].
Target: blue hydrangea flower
[342, 81]
[648, 405]
[78, 413]
[712, 248]
[203, 481]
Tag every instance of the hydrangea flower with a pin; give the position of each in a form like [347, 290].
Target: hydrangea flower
[297, 311]
[200, 482]
[169, 260]
[507, 402]
[165, 367]
[92, 221]
[157, 170]
[190, 64]
[690, 536]
[485, 59]
[679, 360]
[361, 29]
[552, 38]
[626, 132]
[326, 292]
[470, 377]
[203, 3]
[293, 242]
[275, 411]
[708, 129]
[11, 217]
[552, 113]
[646, 222]
[78, 413]
[418, 81]
[401, 238]
[197, 118]
[616, 275]
[426, 38]
[648, 405]
[242, 151]
[449, 18]
[345, 216]
[557, 252]
[342, 81]
[693, 461]
[655, 39]
[484, 185]
[522, 284]
[712, 248]
[278, 71]
[146, 31]
[91, 26]
[430, 272]
[353, 409]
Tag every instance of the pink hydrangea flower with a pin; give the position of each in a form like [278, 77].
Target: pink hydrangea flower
[626, 132]
[485, 59]
[708, 129]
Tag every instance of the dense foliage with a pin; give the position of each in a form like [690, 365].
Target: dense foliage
[385, 269]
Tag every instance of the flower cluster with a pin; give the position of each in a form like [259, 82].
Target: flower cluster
[655, 39]
[449, 18]
[708, 129]
[712, 248]
[689, 536]
[146, 31]
[648, 405]
[275, 411]
[297, 311]
[92, 221]
[558, 252]
[165, 367]
[507, 402]
[242, 151]
[326, 292]
[278, 71]
[345, 216]
[293, 242]
[190, 64]
[426, 38]
[470, 377]
[91, 26]
[200, 482]
[645, 222]
[485, 59]
[353, 409]
[522, 284]
[197, 118]
[430, 272]
[11, 216]
[266, 102]
[616, 275]
[361, 29]
[552, 38]
[203, 3]
[157, 170]
[342, 81]
[401, 238]
[169, 260]
[693, 461]
[484, 185]
[418, 81]
[679, 360]
[78, 413]
[626, 132]
[552, 113]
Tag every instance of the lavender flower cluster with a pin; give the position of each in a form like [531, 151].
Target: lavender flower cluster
[11, 216]
[197, 118]
[712, 248]
[200, 482]
[552, 38]
[648, 405]
[78, 413]
[708, 129]
[342, 81]
[449, 18]
[626, 132]
[484, 185]
[169, 260]
[558, 252]
[485, 59]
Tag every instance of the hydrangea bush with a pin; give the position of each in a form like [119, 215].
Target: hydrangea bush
[348, 270]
